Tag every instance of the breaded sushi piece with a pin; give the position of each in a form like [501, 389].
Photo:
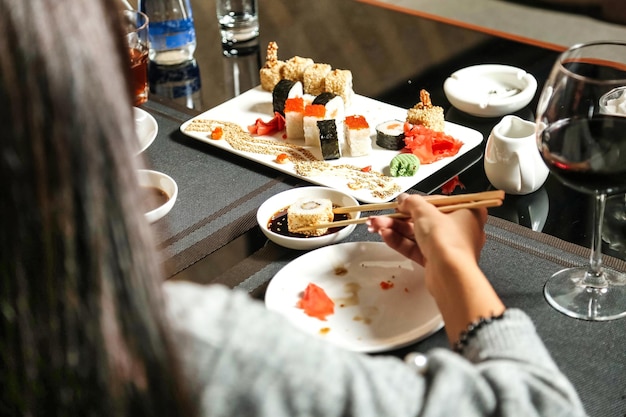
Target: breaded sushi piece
[339, 82]
[294, 68]
[424, 113]
[309, 211]
[269, 74]
[357, 135]
[314, 78]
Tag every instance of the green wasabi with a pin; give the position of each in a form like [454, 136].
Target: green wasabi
[404, 165]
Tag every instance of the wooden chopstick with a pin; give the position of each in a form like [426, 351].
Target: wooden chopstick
[495, 202]
[437, 200]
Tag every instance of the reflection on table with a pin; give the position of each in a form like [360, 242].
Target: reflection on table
[241, 63]
[180, 82]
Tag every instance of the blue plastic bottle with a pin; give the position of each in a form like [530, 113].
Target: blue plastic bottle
[171, 30]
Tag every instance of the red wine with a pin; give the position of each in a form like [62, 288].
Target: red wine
[588, 155]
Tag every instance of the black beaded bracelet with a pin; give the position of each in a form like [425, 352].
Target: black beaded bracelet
[471, 330]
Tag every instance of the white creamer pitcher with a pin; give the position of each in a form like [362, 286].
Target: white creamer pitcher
[512, 160]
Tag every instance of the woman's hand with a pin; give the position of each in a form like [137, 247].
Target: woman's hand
[429, 235]
[448, 246]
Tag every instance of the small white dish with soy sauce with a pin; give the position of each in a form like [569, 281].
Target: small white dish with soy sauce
[159, 192]
[490, 90]
[272, 216]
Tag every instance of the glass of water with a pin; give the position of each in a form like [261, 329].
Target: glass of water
[238, 19]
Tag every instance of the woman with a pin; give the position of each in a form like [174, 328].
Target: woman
[82, 322]
[89, 329]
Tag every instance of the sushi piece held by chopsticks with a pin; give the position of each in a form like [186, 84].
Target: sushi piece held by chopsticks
[445, 204]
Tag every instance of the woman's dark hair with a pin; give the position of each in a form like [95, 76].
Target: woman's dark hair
[82, 331]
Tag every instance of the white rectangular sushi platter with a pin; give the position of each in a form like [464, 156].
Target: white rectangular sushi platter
[256, 103]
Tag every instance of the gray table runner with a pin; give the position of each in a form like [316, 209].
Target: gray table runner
[218, 193]
[217, 203]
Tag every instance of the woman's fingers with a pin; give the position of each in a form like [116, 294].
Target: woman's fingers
[405, 246]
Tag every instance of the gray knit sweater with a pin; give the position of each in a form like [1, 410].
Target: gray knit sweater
[248, 361]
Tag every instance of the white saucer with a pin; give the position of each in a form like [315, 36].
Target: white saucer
[146, 127]
[490, 90]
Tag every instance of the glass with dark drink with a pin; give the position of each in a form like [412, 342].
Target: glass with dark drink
[581, 135]
[136, 28]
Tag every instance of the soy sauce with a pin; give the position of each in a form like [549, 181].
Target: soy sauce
[154, 197]
[278, 224]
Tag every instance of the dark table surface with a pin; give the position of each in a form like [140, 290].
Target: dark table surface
[426, 53]
[211, 233]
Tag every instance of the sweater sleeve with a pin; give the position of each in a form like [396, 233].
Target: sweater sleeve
[246, 360]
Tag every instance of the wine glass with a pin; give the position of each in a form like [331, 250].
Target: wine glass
[585, 148]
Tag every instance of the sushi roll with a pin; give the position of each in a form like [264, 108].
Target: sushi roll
[294, 115]
[334, 109]
[270, 73]
[283, 90]
[313, 78]
[425, 114]
[390, 135]
[294, 68]
[329, 140]
[333, 103]
[340, 82]
[309, 211]
[312, 114]
[404, 165]
[357, 136]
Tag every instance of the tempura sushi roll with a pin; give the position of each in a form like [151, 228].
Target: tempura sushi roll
[329, 140]
[340, 82]
[294, 68]
[270, 73]
[426, 114]
[313, 78]
[390, 135]
[283, 90]
[312, 114]
[309, 211]
[357, 136]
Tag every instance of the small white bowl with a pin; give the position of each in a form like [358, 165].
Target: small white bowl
[490, 90]
[149, 178]
[146, 127]
[283, 200]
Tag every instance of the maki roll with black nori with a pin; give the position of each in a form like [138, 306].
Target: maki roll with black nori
[390, 135]
[333, 104]
[329, 140]
[334, 109]
[283, 90]
[324, 98]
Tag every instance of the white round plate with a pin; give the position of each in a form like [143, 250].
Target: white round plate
[367, 318]
[490, 90]
[146, 127]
